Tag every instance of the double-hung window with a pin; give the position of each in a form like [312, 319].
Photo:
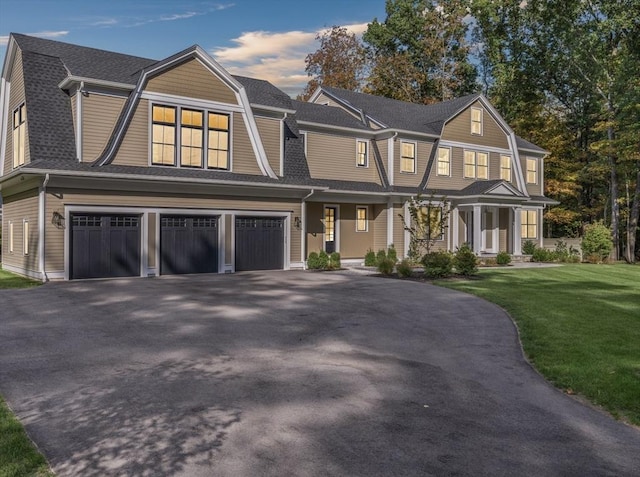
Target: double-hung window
[408, 157]
[444, 161]
[529, 224]
[191, 138]
[362, 224]
[476, 165]
[25, 237]
[362, 157]
[532, 171]
[505, 168]
[218, 147]
[476, 121]
[10, 237]
[163, 143]
[19, 135]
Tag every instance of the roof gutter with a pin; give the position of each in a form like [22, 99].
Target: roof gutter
[69, 81]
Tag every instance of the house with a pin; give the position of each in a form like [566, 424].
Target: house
[114, 165]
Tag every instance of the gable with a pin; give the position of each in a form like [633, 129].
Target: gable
[501, 190]
[193, 80]
[458, 129]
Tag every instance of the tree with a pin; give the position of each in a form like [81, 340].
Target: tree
[427, 221]
[421, 46]
[339, 62]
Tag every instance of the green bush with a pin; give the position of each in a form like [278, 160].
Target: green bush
[596, 242]
[370, 259]
[503, 258]
[334, 261]
[323, 260]
[385, 266]
[313, 262]
[404, 268]
[528, 247]
[566, 254]
[392, 254]
[465, 261]
[437, 264]
[543, 255]
[380, 256]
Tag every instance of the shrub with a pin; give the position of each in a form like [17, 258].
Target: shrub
[334, 261]
[503, 258]
[543, 255]
[392, 254]
[380, 256]
[385, 266]
[465, 261]
[528, 247]
[437, 264]
[404, 268]
[596, 242]
[313, 262]
[566, 254]
[323, 260]
[370, 259]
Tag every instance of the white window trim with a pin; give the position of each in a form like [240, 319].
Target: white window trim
[366, 218]
[16, 160]
[415, 156]
[438, 160]
[366, 155]
[526, 169]
[510, 167]
[25, 236]
[481, 133]
[476, 152]
[205, 138]
[11, 238]
[305, 142]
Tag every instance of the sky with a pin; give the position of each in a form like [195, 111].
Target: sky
[266, 39]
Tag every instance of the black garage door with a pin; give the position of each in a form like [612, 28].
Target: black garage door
[105, 246]
[188, 244]
[259, 243]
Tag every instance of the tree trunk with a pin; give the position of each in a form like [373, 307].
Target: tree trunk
[630, 252]
[615, 207]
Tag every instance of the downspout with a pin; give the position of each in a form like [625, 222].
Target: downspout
[79, 121]
[41, 228]
[303, 218]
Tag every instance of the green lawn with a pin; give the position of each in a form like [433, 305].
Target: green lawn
[10, 280]
[18, 456]
[579, 325]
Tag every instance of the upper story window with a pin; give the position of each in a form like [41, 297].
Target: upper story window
[191, 127]
[192, 140]
[362, 153]
[476, 165]
[476, 121]
[529, 224]
[532, 171]
[19, 135]
[362, 223]
[408, 157]
[505, 168]
[444, 161]
[164, 136]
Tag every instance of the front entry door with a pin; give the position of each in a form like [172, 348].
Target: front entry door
[330, 229]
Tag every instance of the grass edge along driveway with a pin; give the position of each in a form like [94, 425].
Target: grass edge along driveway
[579, 325]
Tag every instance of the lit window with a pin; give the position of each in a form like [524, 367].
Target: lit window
[505, 168]
[361, 153]
[191, 124]
[476, 164]
[476, 121]
[164, 136]
[10, 237]
[218, 146]
[532, 171]
[25, 237]
[19, 135]
[444, 161]
[529, 224]
[361, 219]
[408, 157]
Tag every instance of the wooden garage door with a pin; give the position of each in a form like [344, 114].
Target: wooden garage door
[105, 246]
[259, 243]
[188, 244]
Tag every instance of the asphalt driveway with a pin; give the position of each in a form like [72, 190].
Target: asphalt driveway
[288, 373]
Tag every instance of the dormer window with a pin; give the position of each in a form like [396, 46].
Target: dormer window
[408, 157]
[191, 127]
[164, 136]
[19, 135]
[362, 153]
[532, 171]
[476, 121]
[218, 147]
[505, 168]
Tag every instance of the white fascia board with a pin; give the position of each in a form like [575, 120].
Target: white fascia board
[533, 151]
[5, 87]
[7, 66]
[175, 100]
[346, 105]
[381, 132]
[475, 147]
[272, 108]
[71, 81]
[368, 133]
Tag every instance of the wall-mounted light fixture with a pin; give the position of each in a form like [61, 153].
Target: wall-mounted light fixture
[57, 220]
[296, 222]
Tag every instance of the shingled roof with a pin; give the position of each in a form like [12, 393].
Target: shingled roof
[320, 114]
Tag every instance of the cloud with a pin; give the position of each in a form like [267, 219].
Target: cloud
[216, 7]
[107, 22]
[178, 16]
[4, 40]
[277, 57]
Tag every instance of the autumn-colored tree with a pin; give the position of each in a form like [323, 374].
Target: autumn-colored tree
[338, 62]
[420, 52]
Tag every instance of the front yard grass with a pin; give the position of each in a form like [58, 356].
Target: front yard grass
[579, 326]
[10, 280]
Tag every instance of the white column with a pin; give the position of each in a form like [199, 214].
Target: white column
[455, 217]
[517, 231]
[389, 222]
[477, 228]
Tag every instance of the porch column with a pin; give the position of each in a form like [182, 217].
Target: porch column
[477, 229]
[517, 230]
[455, 217]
